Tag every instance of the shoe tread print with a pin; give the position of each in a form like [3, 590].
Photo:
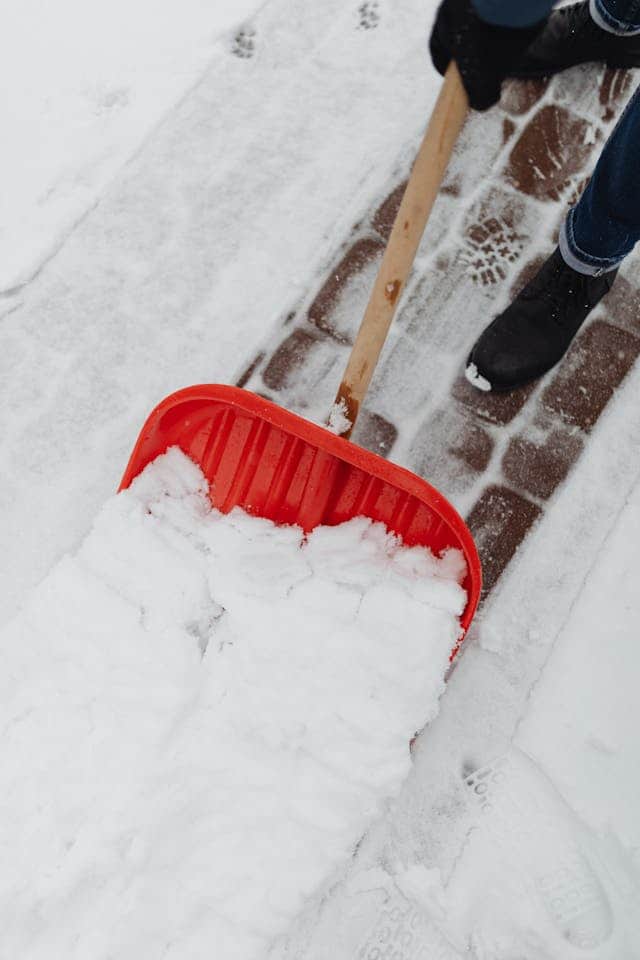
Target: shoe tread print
[403, 932]
[527, 818]
[369, 15]
[244, 45]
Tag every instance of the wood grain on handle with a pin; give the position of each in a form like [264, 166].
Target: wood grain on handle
[422, 189]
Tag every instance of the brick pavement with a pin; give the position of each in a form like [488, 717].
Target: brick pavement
[510, 182]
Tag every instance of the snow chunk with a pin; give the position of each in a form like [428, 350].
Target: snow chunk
[207, 712]
[339, 422]
[476, 379]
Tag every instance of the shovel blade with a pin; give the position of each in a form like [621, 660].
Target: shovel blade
[277, 465]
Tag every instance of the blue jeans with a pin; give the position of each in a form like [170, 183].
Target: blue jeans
[605, 225]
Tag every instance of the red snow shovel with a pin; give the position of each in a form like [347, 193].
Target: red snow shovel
[275, 464]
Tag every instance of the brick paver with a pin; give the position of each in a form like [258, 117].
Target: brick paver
[499, 522]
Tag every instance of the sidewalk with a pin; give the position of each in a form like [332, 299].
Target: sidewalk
[541, 707]
[498, 457]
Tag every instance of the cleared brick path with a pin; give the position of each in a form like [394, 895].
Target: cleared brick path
[498, 458]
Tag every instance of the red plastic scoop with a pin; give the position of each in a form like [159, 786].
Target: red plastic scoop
[277, 465]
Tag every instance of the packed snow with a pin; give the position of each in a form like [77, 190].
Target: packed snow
[476, 379]
[202, 715]
[339, 422]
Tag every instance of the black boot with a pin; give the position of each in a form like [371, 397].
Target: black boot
[535, 331]
[571, 37]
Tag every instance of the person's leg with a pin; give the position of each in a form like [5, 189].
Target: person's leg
[621, 17]
[605, 225]
[534, 332]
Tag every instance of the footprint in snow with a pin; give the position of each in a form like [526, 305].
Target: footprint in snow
[369, 15]
[530, 825]
[244, 43]
[492, 244]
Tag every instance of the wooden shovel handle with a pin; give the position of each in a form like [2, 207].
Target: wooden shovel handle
[422, 189]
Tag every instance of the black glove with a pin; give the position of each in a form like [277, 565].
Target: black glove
[483, 52]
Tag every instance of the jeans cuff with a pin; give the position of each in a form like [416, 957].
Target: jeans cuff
[577, 259]
[604, 19]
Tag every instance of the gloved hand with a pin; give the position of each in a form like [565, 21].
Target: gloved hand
[483, 52]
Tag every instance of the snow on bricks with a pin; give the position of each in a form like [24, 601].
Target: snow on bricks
[363, 258]
[538, 460]
[552, 150]
[497, 408]
[301, 349]
[386, 214]
[451, 450]
[520, 98]
[497, 233]
[595, 365]
[615, 86]
[499, 522]
[212, 705]
[622, 305]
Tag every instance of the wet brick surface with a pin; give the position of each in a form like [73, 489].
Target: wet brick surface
[615, 86]
[375, 433]
[498, 408]
[597, 362]
[386, 213]
[538, 467]
[244, 377]
[451, 450]
[361, 254]
[499, 522]
[520, 97]
[553, 149]
[291, 355]
[622, 304]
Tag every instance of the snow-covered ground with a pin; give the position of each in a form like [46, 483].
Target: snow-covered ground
[231, 205]
[83, 83]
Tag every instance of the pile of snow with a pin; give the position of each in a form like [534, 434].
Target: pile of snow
[201, 716]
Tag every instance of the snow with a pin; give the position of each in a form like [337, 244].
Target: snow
[170, 201]
[552, 863]
[476, 379]
[339, 422]
[592, 753]
[88, 82]
[207, 712]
